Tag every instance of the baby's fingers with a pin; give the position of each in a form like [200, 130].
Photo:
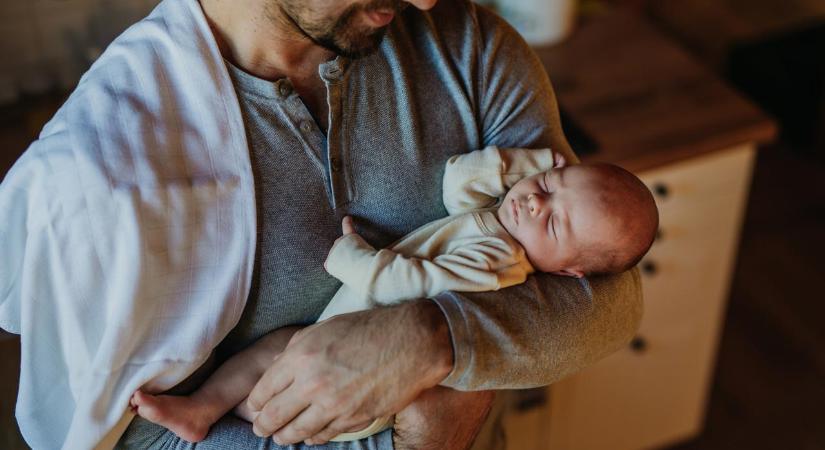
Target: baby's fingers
[347, 225]
[559, 161]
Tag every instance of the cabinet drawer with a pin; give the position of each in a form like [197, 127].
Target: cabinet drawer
[653, 392]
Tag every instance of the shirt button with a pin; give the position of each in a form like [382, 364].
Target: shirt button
[284, 89]
[336, 164]
[333, 73]
[305, 126]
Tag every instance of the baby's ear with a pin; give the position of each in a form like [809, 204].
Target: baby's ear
[569, 273]
[558, 160]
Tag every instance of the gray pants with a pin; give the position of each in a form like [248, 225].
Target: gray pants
[231, 433]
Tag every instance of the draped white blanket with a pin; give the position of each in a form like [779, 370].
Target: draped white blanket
[134, 209]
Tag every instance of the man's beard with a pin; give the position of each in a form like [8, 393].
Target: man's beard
[342, 35]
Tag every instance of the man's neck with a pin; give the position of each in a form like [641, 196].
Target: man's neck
[257, 37]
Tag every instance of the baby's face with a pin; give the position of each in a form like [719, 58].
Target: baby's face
[552, 214]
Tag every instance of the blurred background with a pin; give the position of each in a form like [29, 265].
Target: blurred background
[718, 105]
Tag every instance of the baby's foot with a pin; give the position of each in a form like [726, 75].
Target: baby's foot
[181, 415]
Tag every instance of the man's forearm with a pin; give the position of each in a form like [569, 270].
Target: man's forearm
[540, 331]
[426, 326]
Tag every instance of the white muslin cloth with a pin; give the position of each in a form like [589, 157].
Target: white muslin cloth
[133, 209]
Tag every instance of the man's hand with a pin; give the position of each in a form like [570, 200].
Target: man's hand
[340, 374]
[442, 419]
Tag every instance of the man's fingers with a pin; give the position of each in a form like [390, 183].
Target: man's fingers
[334, 429]
[308, 423]
[278, 412]
[347, 225]
[273, 381]
[324, 435]
[358, 427]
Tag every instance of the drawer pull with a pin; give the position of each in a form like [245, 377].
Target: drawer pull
[638, 344]
[661, 190]
[649, 268]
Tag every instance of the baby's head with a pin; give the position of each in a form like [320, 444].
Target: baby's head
[581, 220]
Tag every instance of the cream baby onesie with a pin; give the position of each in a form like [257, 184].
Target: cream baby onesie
[467, 251]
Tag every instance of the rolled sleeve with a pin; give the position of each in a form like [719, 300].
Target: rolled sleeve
[539, 332]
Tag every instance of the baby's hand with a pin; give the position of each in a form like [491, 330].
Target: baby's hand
[558, 160]
[347, 226]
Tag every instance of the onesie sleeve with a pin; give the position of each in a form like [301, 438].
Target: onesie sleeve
[477, 179]
[387, 277]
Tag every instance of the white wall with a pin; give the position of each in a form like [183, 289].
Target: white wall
[49, 43]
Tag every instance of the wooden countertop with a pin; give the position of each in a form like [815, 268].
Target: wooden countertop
[643, 100]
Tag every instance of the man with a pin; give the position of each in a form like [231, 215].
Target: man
[194, 182]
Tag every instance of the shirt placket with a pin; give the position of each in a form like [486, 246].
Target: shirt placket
[301, 122]
[333, 74]
[326, 152]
